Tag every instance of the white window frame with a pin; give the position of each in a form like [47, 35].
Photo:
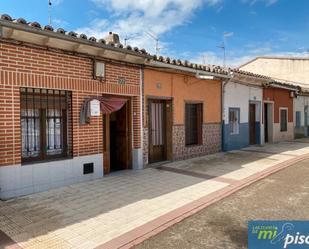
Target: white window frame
[287, 118]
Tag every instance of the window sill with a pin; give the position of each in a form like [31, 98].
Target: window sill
[34, 161]
[192, 145]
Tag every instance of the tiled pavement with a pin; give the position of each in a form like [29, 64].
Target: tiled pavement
[88, 215]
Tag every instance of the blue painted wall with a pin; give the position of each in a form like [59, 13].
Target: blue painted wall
[241, 140]
[237, 141]
[258, 132]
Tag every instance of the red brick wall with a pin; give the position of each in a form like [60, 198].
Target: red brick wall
[24, 66]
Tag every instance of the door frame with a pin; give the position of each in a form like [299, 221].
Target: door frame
[106, 134]
[168, 116]
[271, 125]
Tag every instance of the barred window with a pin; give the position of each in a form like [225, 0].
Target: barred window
[234, 114]
[193, 124]
[46, 124]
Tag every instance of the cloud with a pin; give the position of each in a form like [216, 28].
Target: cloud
[267, 2]
[56, 2]
[59, 22]
[133, 18]
[212, 58]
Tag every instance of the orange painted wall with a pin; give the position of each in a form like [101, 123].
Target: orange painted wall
[185, 88]
[282, 98]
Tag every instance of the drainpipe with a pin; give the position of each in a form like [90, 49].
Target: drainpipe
[223, 85]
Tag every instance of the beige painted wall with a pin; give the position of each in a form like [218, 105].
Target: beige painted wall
[296, 70]
[283, 136]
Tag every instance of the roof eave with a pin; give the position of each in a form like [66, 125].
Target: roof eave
[158, 64]
[25, 33]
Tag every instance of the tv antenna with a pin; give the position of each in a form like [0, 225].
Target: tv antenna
[223, 45]
[49, 12]
[156, 39]
[126, 39]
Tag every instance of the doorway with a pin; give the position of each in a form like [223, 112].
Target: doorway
[160, 130]
[268, 122]
[117, 141]
[252, 123]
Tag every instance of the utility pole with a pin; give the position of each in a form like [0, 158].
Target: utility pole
[49, 12]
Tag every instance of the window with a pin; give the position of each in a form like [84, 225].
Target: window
[298, 119]
[234, 120]
[45, 124]
[283, 120]
[193, 124]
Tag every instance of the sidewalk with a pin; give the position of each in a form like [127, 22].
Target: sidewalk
[128, 207]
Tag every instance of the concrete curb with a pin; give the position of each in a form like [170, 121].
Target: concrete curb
[144, 232]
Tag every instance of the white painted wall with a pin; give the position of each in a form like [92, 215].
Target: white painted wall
[18, 180]
[238, 96]
[299, 105]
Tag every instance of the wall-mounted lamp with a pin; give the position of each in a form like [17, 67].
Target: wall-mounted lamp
[204, 76]
[99, 70]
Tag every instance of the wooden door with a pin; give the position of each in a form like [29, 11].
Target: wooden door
[157, 135]
[121, 136]
[252, 121]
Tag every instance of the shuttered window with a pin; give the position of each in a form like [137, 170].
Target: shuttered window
[283, 120]
[45, 124]
[193, 124]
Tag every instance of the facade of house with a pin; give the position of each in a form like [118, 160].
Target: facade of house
[293, 70]
[182, 110]
[242, 112]
[301, 115]
[47, 77]
[278, 108]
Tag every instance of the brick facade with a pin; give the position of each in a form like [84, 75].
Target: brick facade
[38, 67]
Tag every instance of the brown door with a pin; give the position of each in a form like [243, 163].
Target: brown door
[252, 124]
[157, 135]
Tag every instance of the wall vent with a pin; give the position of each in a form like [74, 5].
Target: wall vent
[88, 168]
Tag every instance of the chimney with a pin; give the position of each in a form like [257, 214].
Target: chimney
[112, 38]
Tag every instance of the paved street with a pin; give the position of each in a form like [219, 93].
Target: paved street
[284, 195]
[88, 215]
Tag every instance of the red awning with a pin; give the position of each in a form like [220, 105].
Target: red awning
[107, 106]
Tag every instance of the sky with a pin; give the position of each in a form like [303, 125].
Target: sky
[191, 30]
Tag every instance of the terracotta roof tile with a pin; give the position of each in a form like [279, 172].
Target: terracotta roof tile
[48, 28]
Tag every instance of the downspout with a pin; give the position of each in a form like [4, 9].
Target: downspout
[142, 114]
[223, 85]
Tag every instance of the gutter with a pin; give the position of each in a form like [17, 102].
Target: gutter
[291, 88]
[187, 69]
